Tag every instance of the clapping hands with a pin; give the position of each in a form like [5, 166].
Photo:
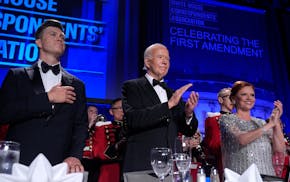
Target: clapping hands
[175, 98]
[276, 113]
[190, 103]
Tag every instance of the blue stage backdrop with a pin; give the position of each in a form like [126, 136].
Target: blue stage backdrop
[212, 44]
[87, 26]
[217, 41]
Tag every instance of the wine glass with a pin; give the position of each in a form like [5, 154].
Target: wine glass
[161, 161]
[182, 145]
[9, 155]
[183, 162]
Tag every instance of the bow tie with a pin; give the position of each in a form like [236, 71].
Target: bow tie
[45, 67]
[161, 84]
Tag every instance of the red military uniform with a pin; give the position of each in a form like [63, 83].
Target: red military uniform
[103, 143]
[102, 146]
[212, 141]
[286, 171]
[282, 171]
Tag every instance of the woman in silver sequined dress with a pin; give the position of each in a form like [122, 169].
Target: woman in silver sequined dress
[246, 139]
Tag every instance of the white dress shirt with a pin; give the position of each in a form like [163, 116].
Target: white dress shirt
[161, 92]
[49, 79]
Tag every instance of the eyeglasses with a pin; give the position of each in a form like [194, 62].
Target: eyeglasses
[225, 96]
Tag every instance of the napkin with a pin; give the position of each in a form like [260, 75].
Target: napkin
[252, 174]
[40, 169]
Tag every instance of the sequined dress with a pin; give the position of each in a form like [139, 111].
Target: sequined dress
[238, 158]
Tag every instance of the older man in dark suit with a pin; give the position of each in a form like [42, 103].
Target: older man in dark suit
[44, 105]
[155, 113]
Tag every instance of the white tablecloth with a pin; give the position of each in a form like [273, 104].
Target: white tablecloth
[143, 176]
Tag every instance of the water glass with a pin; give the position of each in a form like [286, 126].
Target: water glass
[9, 154]
[161, 162]
[175, 174]
[183, 162]
[183, 145]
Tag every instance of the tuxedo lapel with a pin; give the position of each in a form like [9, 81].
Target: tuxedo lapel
[66, 79]
[149, 91]
[169, 91]
[34, 75]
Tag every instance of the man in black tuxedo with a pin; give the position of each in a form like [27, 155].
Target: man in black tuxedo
[44, 105]
[154, 113]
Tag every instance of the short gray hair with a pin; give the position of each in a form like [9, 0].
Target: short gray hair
[148, 51]
[223, 90]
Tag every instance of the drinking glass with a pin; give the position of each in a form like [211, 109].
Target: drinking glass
[161, 161]
[182, 145]
[183, 162]
[9, 154]
[175, 174]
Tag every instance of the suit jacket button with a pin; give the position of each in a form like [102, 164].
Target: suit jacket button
[168, 120]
